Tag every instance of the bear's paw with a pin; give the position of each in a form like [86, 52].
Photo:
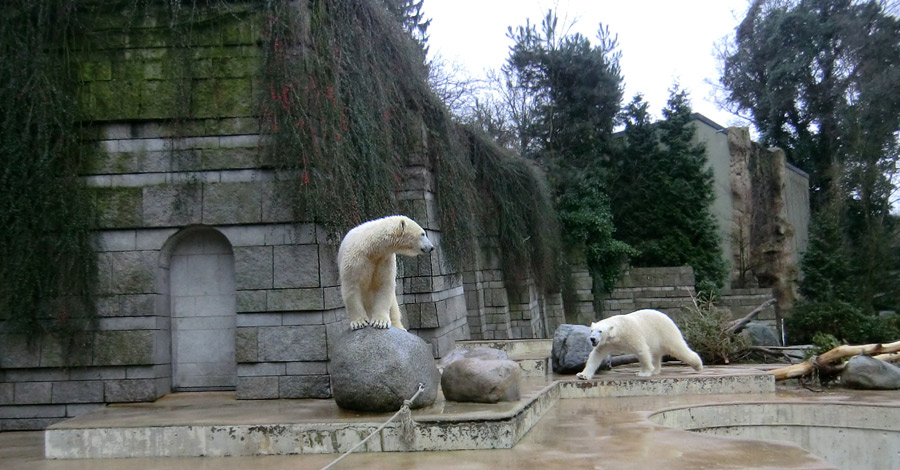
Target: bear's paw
[356, 325]
[582, 376]
[380, 323]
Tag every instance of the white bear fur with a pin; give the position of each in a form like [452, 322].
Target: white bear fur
[367, 264]
[648, 334]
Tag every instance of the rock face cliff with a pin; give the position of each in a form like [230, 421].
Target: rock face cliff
[762, 250]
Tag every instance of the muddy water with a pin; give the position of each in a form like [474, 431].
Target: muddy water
[576, 433]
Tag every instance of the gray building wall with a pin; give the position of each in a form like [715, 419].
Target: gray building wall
[797, 205]
[715, 138]
[795, 194]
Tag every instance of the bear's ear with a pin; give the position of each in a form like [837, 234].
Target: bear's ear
[611, 331]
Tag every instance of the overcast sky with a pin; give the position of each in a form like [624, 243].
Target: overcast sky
[661, 40]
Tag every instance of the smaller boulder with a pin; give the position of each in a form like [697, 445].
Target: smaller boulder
[867, 373]
[571, 348]
[482, 380]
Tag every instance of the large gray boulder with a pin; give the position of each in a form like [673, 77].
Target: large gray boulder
[376, 370]
[482, 380]
[571, 347]
[761, 334]
[868, 373]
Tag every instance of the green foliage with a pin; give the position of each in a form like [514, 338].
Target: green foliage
[823, 343]
[345, 98]
[575, 91]
[705, 329]
[841, 320]
[662, 193]
[818, 78]
[827, 270]
[522, 210]
[47, 266]
[586, 221]
[411, 17]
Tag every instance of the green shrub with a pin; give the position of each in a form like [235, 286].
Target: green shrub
[842, 320]
[705, 328]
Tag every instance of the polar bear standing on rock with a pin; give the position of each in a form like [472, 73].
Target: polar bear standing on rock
[648, 334]
[367, 263]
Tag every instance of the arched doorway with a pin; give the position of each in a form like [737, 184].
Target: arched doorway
[202, 293]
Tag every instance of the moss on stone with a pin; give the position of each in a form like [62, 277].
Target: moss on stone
[157, 100]
[112, 100]
[118, 207]
[95, 70]
[123, 347]
[221, 98]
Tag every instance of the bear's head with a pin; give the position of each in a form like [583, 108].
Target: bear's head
[410, 238]
[602, 332]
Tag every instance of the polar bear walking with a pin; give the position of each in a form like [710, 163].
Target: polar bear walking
[648, 334]
[367, 266]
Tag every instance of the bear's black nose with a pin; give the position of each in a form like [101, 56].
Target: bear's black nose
[594, 341]
[428, 249]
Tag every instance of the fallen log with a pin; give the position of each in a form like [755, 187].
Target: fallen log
[736, 326]
[890, 357]
[835, 354]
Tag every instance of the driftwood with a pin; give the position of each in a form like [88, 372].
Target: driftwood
[736, 326]
[885, 352]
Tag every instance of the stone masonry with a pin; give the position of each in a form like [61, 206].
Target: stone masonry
[198, 250]
[670, 290]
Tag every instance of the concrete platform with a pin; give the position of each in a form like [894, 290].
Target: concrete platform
[215, 424]
[594, 433]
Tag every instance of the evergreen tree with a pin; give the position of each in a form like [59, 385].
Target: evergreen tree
[577, 89]
[411, 17]
[827, 270]
[576, 92]
[664, 191]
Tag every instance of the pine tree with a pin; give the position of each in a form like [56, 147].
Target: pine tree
[576, 91]
[664, 191]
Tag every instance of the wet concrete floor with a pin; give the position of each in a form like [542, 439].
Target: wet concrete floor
[611, 433]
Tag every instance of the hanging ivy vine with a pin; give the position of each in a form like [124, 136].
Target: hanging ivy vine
[47, 266]
[344, 108]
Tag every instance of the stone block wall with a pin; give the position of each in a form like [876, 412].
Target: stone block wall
[580, 307]
[741, 302]
[670, 289]
[166, 172]
[665, 289]
[525, 313]
[553, 312]
[497, 310]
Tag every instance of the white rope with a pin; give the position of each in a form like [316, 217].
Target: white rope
[403, 409]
